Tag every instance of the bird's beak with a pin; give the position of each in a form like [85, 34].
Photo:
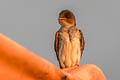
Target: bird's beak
[62, 18]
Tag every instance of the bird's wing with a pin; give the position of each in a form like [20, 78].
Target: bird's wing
[56, 45]
[82, 42]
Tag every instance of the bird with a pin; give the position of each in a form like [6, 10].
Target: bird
[69, 41]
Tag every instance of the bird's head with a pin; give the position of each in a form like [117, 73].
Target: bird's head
[66, 18]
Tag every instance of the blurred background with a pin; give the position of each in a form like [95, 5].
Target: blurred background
[33, 24]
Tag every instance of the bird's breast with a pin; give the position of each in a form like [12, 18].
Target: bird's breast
[64, 36]
[69, 37]
[69, 48]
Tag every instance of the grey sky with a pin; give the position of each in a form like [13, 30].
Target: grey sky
[33, 24]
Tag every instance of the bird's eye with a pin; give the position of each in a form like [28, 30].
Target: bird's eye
[67, 16]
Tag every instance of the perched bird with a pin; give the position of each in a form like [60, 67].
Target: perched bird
[69, 41]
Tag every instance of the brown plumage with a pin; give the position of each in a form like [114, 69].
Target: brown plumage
[69, 41]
